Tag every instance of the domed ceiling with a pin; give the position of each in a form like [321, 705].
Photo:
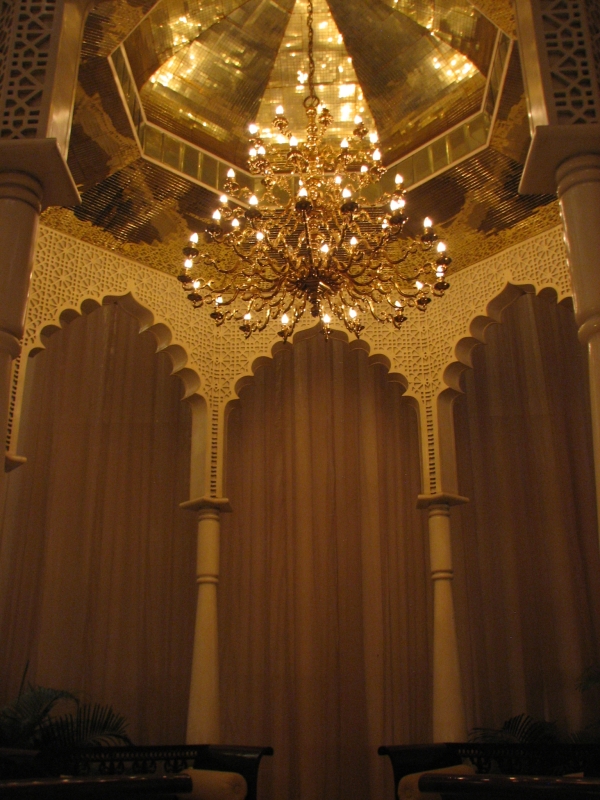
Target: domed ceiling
[167, 90]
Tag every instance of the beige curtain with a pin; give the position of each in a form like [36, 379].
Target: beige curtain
[97, 582]
[526, 547]
[324, 598]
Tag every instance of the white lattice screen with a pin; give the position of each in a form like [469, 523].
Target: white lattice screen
[68, 274]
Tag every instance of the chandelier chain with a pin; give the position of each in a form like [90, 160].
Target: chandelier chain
[312, 97]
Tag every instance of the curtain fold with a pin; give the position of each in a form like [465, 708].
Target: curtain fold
[526, 546]
[324, 599]
[97, 562]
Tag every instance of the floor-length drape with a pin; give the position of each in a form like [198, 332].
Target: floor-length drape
[324, 598]
[97, 582]
[526, 546]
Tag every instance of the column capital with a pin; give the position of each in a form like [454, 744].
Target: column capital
[10, 344]
[551, 147]
[42, 160]
[202, 503]
[440, 499]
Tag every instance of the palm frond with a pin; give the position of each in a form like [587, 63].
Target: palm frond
[91, 726]
[521, 728]
[589, 678]
[21, 718]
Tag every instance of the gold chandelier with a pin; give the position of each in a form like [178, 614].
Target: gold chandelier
[313, 240]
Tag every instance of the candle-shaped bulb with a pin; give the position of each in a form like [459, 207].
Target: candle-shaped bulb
[252, 152]
[377, 155]
[247, 316]
[253, 128]
[346, 192]
[196, 284]
[427, 223]
[253, 200]
[235, 223]
[419, 285]
[262, 151]
[260, 236]
[303, 192]
[374, 137]
[337, 179]
[357, 119]
[285, 319]
[344, 144]
[194, 238]
[353, 241]
[279, 111]
[352, 313]
[224, 199]
[394, 205]
[398, 180]
[293, 141]
[188, 263]
[441, 248]
[325, 248]
[231, 173]
[217, 215]
[219, 300]
[364, 168]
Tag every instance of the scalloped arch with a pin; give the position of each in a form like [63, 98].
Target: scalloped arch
[480, 324]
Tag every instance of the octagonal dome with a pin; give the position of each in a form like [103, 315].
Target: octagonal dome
[412, 69]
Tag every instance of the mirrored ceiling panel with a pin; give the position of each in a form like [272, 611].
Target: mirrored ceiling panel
[416, 85]
[335, 79]
[457, 23]
[210, 89]
[170, 27]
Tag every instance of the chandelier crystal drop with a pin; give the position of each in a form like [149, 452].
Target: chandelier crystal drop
[313, 240]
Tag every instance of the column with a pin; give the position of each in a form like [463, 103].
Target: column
[38, 78]
[203, 725]
[561, 72]
[448, 708]
[578, 182]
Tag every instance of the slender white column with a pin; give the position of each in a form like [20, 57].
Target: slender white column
[204, 723]
[448, 706]
[578, 181]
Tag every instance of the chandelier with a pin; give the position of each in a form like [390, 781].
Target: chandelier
[314, 240]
